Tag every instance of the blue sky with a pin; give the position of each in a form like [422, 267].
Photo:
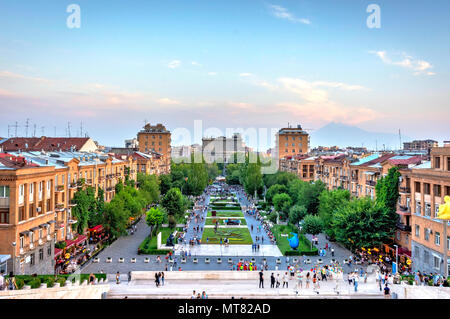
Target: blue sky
[231, 64]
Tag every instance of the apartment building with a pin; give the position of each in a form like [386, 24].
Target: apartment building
[292, 141]
[156, 138]
[27, 209]
[429, 184]
[222, 149]
[418, 145]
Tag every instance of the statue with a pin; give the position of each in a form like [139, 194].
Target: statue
[293, 241]
[444, 209]
[169, 241]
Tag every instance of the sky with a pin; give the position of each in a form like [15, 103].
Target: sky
[246, 64]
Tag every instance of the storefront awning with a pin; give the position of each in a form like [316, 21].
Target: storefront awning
[96, 229]
[76, 241]
[58, 252]
[369, 173]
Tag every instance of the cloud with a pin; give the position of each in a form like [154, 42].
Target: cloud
[245, 75]
[11, 75]
[212, 73]
[283, 13]
[418, 66]
[195, 63]
[174, 64]
[167, 101]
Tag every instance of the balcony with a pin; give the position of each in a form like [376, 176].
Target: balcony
[344, 178]
[88, 182]
[371, 183]
[355, 193]
[404, 227]
[73, 185]
[59, 188]
[404, 209]
[40, 242]
[110, 189]
[59, 207]
[404, 190]
[355, 179]
[4, 202]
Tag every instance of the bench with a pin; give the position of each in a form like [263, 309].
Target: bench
[121, 260]
[207, 260]
[109, 260]
[219, 260]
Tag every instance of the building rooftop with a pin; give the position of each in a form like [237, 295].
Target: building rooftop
[43, 143]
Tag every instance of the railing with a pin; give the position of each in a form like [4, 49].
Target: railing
[403, 227]
[371, 183]
[405, 190]
[344, 178]
[88, 182]
[4, 202]
[59, 188]
[73, 185]
[354, 178]
[405, 209]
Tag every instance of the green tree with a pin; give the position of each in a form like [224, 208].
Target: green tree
[253, 179]
[308, 196]
[154, 218]
[173, 202]
[329, 202]
[118, 187]
[312, 224]
[282, 203]
[297, 213]
[362, 223]
[81, 211]
[387, 194]
[165, 183]
[274, 190]
[116, 217]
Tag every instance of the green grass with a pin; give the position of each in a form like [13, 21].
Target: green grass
[212, 221]
[237, 236]
[304, 247]
[150, 245]
[225, 213]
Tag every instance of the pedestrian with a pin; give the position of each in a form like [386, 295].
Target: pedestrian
[156, 279]
[332, 252]
[2, 280]
[193, 295]
[129, 276]
[162, 278]
[117, 278]
[261, 279]
[285, 280]
[387, 292]
[355, 281]
[11, 281]
[278, 281]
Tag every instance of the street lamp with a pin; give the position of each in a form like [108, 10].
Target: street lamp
[14, 256]
[396, 259]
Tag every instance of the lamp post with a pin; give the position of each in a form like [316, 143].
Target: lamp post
[14, 257]
[396, 259]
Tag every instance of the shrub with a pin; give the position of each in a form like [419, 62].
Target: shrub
[61, 281]
[273, 217]
[35, 283]
[20, 283]
[50, 282]
[60, 245]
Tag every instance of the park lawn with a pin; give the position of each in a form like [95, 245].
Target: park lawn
[236, 236]
[212, 221]
[304, 247]
[227, 213]
[150, 245]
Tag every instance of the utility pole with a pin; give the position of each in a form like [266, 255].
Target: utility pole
[42, 130]
[68, 129]
[55, 130]
[34, 130]
[400, 137]
[26, 127]
[81, 129]
[15, 125]
[8, 130]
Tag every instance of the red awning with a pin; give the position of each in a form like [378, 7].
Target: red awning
[404, 251]
[58, 252]
[78, 240]
[97, 228]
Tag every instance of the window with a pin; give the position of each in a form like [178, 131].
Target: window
[437, 190]
[427, 234]
[32, 259]
[417, 184]
[436, 209]
[293, 151]
[293, 138]
[49, 250]
[4, 191]
[437, 238]
[41, 254]
[4, 217]
[22, 240]
[437, 162]
[418, 208]
[436, 262]
[428, 209]
[31, 186]
[399, 236]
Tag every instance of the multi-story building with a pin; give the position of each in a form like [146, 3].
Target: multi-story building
[429, 184]
[418, 145]
[292, 141]
[157, 139]
[27, 215]
[48, 144]
[222, 149]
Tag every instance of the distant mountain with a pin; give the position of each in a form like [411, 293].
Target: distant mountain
[342, 135]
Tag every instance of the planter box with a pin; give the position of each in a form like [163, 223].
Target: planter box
[183, 260]
[219, 260]
[147, 260]
[96, 260]
[207, 260]
[121, 260]
[109, 260]
[319, 261]
[230, 260]
[307, 261]
[133, 260]
[195, 260]
[278, 261]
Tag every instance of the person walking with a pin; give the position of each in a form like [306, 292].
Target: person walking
[261, 279]
[156, 279]
[355, 281]
[285, 280]
[278, 281]
[387, 292]
[332, 252]
[162, 278]
[117, 278]
[11, 282]
[308, 279]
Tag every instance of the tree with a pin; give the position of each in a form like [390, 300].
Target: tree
[297, 213]
[173, 202]
[253, 179]
[274, 190]
[165, 183]
[81, 210]
[387, 193]
[116, 217]
[282, 203]
[154, 218]
[312, 224]
[362, 223]
[329, 202]
[119, 187]
[149, 187]
[309, 196]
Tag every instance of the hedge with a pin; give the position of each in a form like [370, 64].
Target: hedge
[36, 281]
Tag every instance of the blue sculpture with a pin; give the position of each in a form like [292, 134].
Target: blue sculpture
[293, 241]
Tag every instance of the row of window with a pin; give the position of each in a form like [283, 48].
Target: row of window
[428, 232]
[436, 262]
